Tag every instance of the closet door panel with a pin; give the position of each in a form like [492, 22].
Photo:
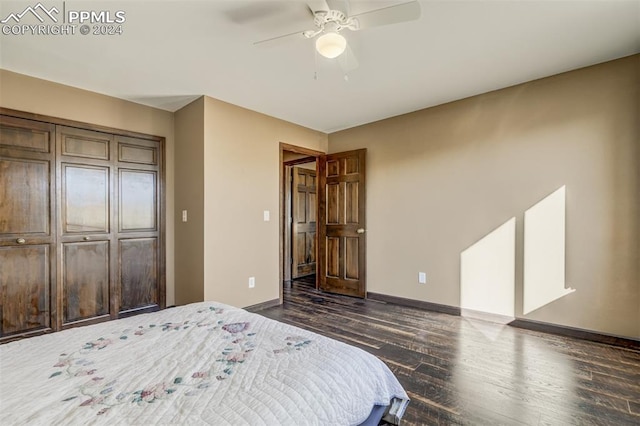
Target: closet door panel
[85, 280]
[24, 196]
[138, 151]
[24, 289]
[138, 274]
[84, 143]
[26, 135]
[140, 281]
[85, 199]
[138, 205]
[86, 216]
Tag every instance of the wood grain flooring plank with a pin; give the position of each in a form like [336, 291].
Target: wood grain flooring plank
[618, 387]
[326, 330]
[461, 371]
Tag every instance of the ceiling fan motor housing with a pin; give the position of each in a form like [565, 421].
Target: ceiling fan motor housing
[335, 17]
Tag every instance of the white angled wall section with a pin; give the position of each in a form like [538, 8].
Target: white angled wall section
[544, 252]
[487, 272]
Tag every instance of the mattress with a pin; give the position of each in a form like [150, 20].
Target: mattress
[203, 363]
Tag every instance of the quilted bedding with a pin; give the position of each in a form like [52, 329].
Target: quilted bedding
[204, 363]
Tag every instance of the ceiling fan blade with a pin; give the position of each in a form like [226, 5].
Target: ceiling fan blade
[318, 6]
[278, 40]
[314, 6]
[347, 61]
[254, 11]
[389, 15]
[341, 5]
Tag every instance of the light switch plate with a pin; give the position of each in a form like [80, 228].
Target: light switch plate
[184, 215]
[266, 215]
[422, 277]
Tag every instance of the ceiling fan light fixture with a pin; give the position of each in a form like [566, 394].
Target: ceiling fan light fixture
[331, 45]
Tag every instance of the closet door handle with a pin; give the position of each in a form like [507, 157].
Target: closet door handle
[21, 241]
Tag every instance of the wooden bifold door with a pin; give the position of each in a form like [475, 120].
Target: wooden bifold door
[80, 225]
[27, 227]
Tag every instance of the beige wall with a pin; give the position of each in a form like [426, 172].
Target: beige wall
[37, 96]
[241, 180]
[441, 179]
[189, 181]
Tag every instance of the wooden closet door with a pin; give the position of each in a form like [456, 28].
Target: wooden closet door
[139, 235]
[86, 244]
[27, 231]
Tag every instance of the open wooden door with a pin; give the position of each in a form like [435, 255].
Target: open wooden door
[341, 223]
[304, 222]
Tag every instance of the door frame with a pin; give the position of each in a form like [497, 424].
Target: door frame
[310, 155]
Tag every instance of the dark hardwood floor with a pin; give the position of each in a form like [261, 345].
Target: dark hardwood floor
[464, 371]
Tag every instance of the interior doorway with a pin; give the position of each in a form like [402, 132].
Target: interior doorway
[302, 203]
[330, 225]
[298, 214]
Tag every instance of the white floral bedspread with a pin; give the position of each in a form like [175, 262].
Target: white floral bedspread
[204, 363]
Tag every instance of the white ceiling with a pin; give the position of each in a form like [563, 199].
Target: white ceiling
[171, 52]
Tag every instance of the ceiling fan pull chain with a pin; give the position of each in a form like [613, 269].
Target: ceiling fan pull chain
[315, 65]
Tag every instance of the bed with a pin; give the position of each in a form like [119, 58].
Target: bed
[203, 363]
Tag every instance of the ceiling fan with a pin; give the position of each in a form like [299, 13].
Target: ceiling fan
[330, 17]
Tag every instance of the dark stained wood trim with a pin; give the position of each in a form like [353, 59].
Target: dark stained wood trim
[264, 305]
[299, 161]
[527, 324]
[26, 334]
[578, 333]
[427, 306]
[300, 150]
[486, 316]
[77, 124]
[137, 311]
[162, 222]
[83, 322]
[286, 211]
